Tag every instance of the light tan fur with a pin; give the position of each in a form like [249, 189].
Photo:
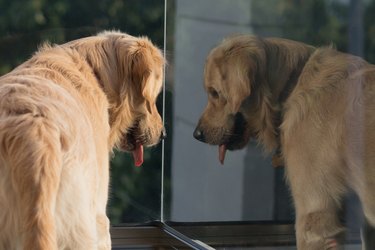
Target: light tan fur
[315, 105]
[61, 113]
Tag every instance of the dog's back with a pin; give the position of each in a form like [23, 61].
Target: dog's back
[45, 137]
[328, 135]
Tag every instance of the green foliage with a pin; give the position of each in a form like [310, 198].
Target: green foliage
[317, 22]
[130, 184]
[369, 23]
[136, 191]
[25, 24]
[325, 22]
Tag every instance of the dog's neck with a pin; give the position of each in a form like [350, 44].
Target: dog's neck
[285, 61]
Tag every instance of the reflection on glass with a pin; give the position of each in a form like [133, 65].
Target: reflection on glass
[246, 187]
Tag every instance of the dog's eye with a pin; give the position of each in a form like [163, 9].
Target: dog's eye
[213, 93]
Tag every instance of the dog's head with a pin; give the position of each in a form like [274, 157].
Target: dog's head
[130, 71]
[233, 79]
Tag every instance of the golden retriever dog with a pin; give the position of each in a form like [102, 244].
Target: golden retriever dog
[61, 113]
[316, 106]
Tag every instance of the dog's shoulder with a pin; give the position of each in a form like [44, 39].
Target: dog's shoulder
[328, 60]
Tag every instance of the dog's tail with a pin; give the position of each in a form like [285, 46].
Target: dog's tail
[30, 146]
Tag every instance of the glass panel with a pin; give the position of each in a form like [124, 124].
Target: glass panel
[246, 187]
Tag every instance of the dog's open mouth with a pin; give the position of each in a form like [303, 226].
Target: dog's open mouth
[236, 140]
[131, 144]
[136, 149]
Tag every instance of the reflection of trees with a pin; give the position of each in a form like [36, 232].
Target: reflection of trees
[369, 29]
[321, 22]
[317, 22]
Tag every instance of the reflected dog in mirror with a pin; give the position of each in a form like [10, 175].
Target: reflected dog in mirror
[62, 112]
[315, 107]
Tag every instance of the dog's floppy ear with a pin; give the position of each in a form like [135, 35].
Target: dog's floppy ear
[139, 68]
[246, 68]
[239, 87]
[142, 59]
[241, 80]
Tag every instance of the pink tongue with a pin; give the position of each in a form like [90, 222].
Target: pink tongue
[222, 150]
[138, 155]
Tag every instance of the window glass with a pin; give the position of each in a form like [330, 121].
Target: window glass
[246, 187]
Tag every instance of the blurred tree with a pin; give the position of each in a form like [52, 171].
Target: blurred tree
[25, 24]
[323, 22]
[35, 21]
[317, 22]
[369, 26]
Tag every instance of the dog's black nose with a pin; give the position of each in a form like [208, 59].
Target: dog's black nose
[163, 134]
[198, 134]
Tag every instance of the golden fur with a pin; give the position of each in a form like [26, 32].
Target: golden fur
[314, 105]
[61, 113]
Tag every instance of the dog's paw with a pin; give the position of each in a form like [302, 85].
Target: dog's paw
[330, 244]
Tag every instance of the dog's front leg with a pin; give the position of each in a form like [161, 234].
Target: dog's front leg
[317, 188]
[317, 223]
[318, 230]
[102, 221]
[104, 238]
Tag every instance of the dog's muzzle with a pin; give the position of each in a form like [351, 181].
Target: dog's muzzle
[199, 135]
[236, 133]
